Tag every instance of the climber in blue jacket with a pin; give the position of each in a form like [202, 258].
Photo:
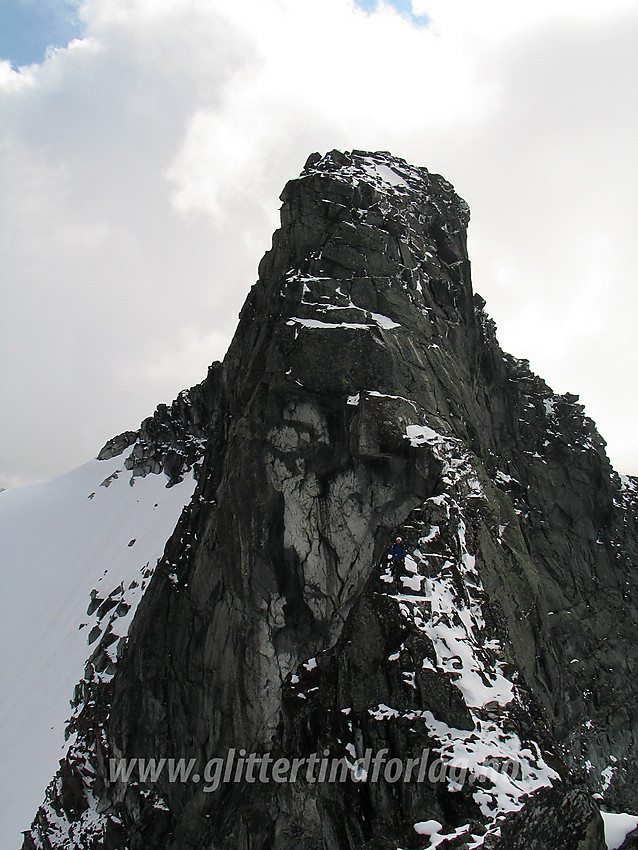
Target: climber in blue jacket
[398, 557]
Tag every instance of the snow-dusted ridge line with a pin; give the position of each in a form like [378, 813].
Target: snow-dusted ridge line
[429, 598]
[472, 662]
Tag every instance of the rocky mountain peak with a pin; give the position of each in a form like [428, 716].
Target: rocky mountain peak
[364, 397]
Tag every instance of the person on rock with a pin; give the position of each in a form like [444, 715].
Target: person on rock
[398, 558]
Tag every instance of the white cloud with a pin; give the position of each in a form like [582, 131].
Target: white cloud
[495, 20]
[144, 162]
[180, 362]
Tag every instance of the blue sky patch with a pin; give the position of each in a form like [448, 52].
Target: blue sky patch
[30, 26]
[403, 6]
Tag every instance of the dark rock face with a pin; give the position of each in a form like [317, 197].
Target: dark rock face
[364, 396]
[557, 818]
[631, 841]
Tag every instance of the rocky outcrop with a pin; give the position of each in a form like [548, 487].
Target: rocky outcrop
[561, 818]
[172, 440]
[365, 396]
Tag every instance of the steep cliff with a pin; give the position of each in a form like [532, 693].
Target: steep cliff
[364, 397]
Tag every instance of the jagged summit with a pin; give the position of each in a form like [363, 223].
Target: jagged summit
[392, 176]
[364, 397]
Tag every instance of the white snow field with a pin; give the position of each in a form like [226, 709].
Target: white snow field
[617, 827]
[59, 539]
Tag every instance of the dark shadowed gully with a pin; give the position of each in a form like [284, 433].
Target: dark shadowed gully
[364, 397]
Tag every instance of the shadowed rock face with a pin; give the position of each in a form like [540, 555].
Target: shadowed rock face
[568, 815]
[364, 396]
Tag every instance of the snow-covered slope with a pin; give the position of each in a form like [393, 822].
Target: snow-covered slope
[94, 528]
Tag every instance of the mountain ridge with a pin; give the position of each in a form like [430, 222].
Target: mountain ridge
[364, 395]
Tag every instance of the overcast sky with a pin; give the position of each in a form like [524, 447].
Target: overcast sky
[142, 163]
